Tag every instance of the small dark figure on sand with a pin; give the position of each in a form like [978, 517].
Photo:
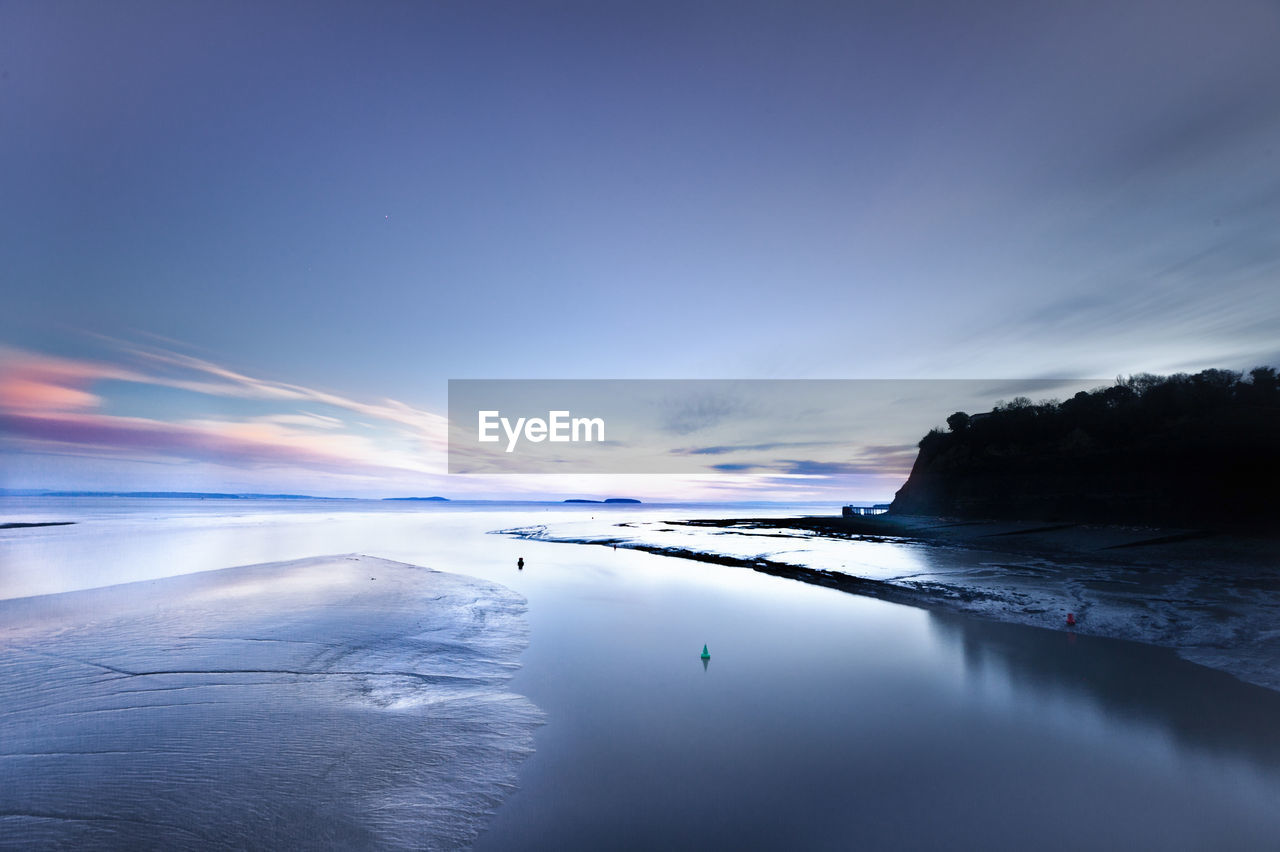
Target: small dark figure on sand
[520, 563]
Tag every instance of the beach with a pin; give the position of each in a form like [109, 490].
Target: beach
[334, 702]
[821, 720]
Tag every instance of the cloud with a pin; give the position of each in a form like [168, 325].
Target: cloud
[30, 395]
[239, 445]
[693, 413]
[219, 381]
[49, 404]
[810, 467]
[143, 414]
[748, 448]
[870, 460]
[311, 421]
[39, 383]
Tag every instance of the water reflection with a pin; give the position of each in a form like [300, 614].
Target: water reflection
[1128, 682]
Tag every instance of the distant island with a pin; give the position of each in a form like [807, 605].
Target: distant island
[426, 499]
[1184, 451]
[609, 500]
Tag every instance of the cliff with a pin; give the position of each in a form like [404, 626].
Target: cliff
[1198, 451]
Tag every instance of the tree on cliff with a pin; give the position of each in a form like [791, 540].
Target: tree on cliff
[1181, 449]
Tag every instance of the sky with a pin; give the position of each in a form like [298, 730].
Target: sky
[246, 246]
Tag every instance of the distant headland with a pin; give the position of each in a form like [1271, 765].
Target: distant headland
[1184, 450]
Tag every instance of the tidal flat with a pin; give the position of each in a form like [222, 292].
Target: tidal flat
[822, 720]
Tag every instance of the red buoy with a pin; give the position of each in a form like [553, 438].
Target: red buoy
[1071, 619]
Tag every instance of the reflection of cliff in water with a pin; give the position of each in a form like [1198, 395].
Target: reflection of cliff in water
[1198, 707]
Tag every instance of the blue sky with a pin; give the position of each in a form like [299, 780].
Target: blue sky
[362, 201]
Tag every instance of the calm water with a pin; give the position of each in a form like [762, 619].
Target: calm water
[822, 720]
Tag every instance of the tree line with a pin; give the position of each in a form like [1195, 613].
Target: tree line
[1158, 449]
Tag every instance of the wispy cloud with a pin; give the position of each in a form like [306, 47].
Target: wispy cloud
[213, 379]
[139, 412]
[722, 449]
[871, 460]
[686, 414]
[52, 404]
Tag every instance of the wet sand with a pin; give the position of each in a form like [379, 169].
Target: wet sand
[333, 702]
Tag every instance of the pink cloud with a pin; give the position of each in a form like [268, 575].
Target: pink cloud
[40, 383]
[241, 445]
[220, 381]
[22, 394]
[47, 404]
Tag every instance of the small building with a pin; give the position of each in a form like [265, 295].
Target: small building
[858, 511]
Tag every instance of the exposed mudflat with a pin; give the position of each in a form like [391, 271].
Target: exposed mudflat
[334, 702]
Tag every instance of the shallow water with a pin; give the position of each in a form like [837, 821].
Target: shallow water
[1212, 609]
[822, 720]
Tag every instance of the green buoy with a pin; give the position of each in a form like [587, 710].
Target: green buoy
[706, 655]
